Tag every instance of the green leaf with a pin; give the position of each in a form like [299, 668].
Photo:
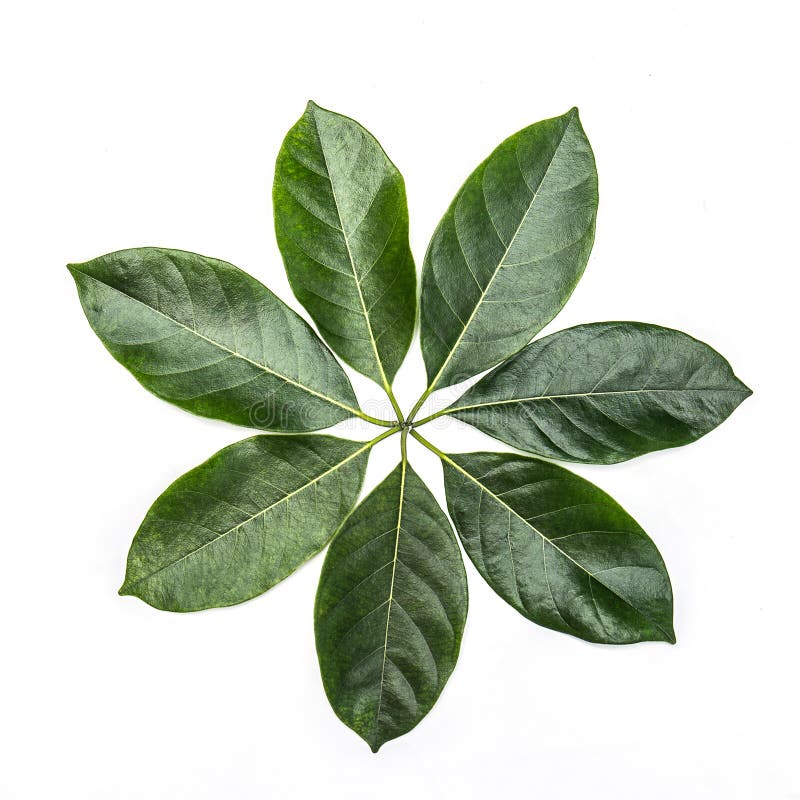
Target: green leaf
[603, 393]
[209, 338]
[390, 610]
[557, 548]
[235, 526]
[509, 250]
[342, 226]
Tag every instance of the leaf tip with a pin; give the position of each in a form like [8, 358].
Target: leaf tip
[372, 737]
[124, 590]
[669, 635]
[743, 391]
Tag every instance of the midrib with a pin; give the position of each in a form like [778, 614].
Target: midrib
[591, 575]
[225, 348]
[258, 514]
[391, 590]
[350, 258]
[500, 264]
[584, 394]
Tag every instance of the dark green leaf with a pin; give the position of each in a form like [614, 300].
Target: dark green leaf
[390, 610]
[209, 338]
[604, 393]
[509, 250]
[558, 549]
[342, 226]
[235, 526]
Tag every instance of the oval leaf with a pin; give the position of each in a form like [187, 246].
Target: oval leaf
[604, 393]
[235, 526]
[209, 338]
[558, 549]
[342, 226]
[509, 251]
[390, 610]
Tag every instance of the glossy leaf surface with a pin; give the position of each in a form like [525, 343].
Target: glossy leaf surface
[390, 610]
[341, 221]
[235, 526]
[558, 549]
[509, 250]
[209, 338]
[605, 392]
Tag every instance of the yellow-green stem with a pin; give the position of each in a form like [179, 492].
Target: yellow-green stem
[432, 417]
[384, 435]
[432, 447]
[374, 420]
[393, 400]
[403, 437]
[419, 403]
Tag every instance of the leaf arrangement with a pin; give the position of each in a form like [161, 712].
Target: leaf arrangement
[392, 597]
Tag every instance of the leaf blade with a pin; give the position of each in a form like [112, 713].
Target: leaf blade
[399, 654]
[355, 275]
[526, 543]
[604, 392]
[236, 525]
[207, 337]
[509, 250]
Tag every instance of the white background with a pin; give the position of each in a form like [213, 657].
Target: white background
[127, 124]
